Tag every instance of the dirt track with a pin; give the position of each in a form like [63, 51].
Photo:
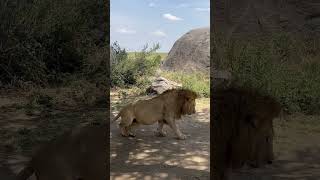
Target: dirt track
[296, 146]
[19, 129]
[149, 157]
[297, 151]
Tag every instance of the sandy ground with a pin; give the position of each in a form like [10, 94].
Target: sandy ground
[296, 146]
[14, 118]
[148, 157]
[297, 151]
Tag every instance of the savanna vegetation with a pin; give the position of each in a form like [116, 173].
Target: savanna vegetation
[283, 65]
[48, 44]
[53, 64]
[134, 71]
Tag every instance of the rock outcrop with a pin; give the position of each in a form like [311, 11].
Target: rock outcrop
[161, 84]
[190, 52]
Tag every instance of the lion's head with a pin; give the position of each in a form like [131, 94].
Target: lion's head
[188, 99]
[183, 101]
[242, 128]
[260, 119]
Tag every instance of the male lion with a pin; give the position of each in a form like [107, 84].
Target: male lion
[164, 109]
[242, 129]
[77, 155]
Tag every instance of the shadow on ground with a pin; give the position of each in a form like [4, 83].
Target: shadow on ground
[147, 156]
[297, 151]
[21, 133]
[302, 165]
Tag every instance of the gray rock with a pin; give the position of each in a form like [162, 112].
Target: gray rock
[161, 84]
[190, 52]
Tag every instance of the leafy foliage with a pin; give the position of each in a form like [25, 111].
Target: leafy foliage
[284, 66]
[133, 70]
[46, 41]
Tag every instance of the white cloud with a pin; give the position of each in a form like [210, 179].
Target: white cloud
[126, 31]
[171, 17]
[203, 9]
[152, 4]
[159, 33]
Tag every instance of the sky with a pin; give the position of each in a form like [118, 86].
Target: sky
[134, 23]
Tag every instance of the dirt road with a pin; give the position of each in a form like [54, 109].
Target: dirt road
[297, 151]
[296, 145]
[148, 157]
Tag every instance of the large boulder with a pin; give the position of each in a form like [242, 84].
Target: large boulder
[161, 84]
[190, 52]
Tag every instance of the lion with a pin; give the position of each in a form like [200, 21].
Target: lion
[77, 155]
[165, 108]
[242, 129]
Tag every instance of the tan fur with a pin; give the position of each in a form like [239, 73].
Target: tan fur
[77, 155]
[242, 129]
[164, 109]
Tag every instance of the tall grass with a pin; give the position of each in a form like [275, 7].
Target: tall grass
[197, 81]
[284, 66]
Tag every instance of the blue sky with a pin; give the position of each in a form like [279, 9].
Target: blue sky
[133, 23]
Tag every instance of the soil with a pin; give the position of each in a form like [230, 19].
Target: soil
[147, 156]
[297, 149]
[22, 130]
[296, 144]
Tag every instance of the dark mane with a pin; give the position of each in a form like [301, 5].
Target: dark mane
[168, 91]
[177, 90]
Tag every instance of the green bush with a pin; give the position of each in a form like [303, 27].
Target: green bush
[198, 82]
[46, 41]
[282, 66]
[86, 93]
[134, 70]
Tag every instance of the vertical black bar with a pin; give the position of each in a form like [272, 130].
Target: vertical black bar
[107, 36]
[211, 78]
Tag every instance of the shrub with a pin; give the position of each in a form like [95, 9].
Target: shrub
[134, 70]
[197, 82]
[282, 66]
[43, 46]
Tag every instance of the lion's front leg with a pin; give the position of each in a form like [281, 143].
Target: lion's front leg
[131, 128]
[175, 129]
[124, 131]
[160, 131]
[124, 127]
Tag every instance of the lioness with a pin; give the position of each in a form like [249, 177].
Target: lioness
[77, 155]
[164, 109]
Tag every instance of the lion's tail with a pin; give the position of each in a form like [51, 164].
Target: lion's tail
[25, 173]
[115, 118]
